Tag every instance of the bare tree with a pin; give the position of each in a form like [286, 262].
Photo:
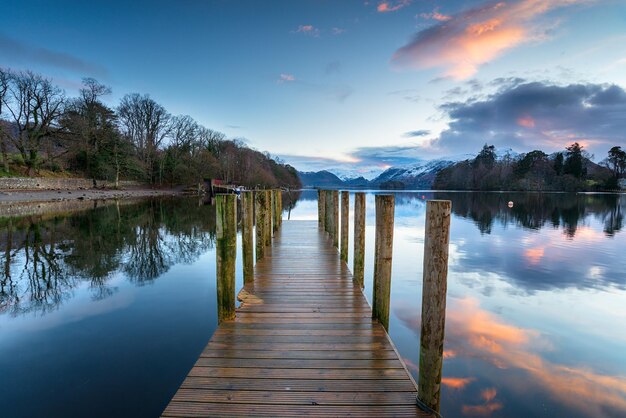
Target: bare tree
[35, 105]
[4, 89]
[146, 123]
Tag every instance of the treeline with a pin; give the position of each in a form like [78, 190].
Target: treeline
[570, 170]
[43, 129]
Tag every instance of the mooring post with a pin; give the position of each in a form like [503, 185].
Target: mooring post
[435, 285]
[382, 258]
[268, 217]
[279, 195]
[359, 239]
[226, 252]
[272, 209]
[275, 205]
[345, 223]
[321, 208]
[247, 235]
[260, 223]
[335, 230]
[328, 211]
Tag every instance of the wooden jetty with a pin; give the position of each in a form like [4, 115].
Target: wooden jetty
[302, 343]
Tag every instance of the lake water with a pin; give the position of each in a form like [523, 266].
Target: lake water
[104, 311]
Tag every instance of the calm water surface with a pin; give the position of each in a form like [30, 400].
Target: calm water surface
[104, 311]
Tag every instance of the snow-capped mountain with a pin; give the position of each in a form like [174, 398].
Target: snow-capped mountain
[418, 175]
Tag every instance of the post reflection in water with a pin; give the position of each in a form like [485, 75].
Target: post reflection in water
[535, 301]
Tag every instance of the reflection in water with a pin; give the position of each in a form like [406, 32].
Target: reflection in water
[535, 301]
[46, 257]
[475, 334]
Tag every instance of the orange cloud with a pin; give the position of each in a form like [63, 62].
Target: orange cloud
[526, 122]
[534, 255]
[456, 382]
[481, 410]
[392, 6]
[463, 42]
[488, 394]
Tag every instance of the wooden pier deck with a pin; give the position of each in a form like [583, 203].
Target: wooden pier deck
[303, 344]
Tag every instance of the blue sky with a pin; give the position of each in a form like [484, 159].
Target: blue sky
[352, 85]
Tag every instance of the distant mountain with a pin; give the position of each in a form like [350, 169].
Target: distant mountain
[419, 175]
[320, 179]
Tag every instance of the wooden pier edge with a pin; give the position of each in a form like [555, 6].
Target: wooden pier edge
[312, 311]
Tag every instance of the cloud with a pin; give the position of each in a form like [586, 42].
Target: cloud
[456, 382]
[285, 78]
[420, 132]
[460, 44]
[537, 115]
[16, 50]
[338, 31]
[392, 6]
[308, 30]
[435, 15]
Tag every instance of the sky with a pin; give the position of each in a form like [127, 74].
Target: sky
[355, 86]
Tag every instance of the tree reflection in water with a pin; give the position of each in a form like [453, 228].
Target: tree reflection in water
[45, 257]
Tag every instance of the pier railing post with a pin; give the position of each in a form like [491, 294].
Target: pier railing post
[435, 285]
[321, 208]
[275, 216]
[226, 252]
[328, 211]
[382, 258]
[359, 239]
[279, 195]
[267, 229]
[335, 230]
[345, 224]
[260, 223]
[247, 235]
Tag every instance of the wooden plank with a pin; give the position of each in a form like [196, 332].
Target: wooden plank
[303, 342]
[203, 409]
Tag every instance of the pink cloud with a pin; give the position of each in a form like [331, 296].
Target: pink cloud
[308, 30]
[392, 6]
[465, 41]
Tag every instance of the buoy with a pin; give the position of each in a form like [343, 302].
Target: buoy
[511, 204]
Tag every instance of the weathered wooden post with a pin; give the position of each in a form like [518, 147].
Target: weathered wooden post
[272, 210]
[321, 208]
[226, 252]
[268, 217]
[382, 258]
[275, 209]
[260, 223]
[279, 195]
[345, 223]
[335, 230]
[435, 285]
[359, 239]
[329, 210]
[247, 234]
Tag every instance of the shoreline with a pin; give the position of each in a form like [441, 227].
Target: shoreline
[17, 196]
